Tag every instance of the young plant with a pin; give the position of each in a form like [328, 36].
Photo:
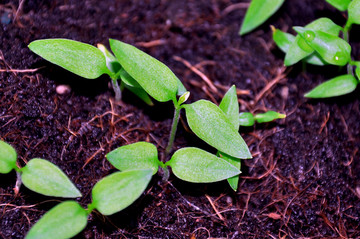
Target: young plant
[217, 126]
[39, 175]
[319, 43]
[258, 12]
[89, 62]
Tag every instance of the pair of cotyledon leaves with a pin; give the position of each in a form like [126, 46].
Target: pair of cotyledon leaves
[39, 175]
[261, 10]
[318, 43]
[90, 62]
[110, 195]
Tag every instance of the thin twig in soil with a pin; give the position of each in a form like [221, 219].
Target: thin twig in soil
[234, 7]
[197, 72]
[280, 75]
[215, 209]
[153, 43]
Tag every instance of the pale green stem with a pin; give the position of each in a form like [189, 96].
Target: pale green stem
[173, 130]
[116, 89]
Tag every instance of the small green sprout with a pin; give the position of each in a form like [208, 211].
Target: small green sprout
[319, 43]
[38, 175]
[218, 126]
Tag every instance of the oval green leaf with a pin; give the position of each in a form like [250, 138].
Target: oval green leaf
[258, 12]
[119, 190]
[268, 116]
[354, 12]
[153, 76]
[230, 106]
[140, 155]
[8, 157]
[246, 119]
[63, 221]
[282, 39]
[341, 5]
[198, 166]
[332, 49]
[300, 49]
[44, 177]
[79, 58]
[210, 124]
[337, 86]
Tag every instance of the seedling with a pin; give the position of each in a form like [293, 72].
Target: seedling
[39, 175]
[319, 43]
[217, 126]
[90, 62]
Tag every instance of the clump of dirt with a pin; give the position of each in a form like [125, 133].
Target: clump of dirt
[302, 182]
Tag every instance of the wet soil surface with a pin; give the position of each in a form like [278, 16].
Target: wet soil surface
[303, 180]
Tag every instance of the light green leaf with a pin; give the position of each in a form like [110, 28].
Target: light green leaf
[184, 97]
[230, 106]
[341, 5]
[181, 88]
[140, 155]
[63, 221]
[234, 180]
[268, 116]
[246, 119]
[258, 12]
[337, 86]
[46, 178]
[112, 64]
[119, 190]
[300, 49]
[331, 48]
[198, 166]
[8, 157]
[153, 76]
[282, 39]
[210, 124]
[354, 12]
[79, 58]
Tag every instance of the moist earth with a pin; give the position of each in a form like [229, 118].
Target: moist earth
[303, 180]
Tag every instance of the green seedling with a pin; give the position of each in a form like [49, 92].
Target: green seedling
[218, 126]
[110, 195]
[39, 175]
[90, 62]
[319, 43]
[258, 12]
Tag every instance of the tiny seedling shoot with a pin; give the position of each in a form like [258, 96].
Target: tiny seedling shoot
[218, 126]
[319, 43]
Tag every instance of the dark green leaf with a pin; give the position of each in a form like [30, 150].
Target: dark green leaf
[341, 5]
[46, 178]
[246, 119]
[331, 48]
[258, 12]
[8, 157]
[153, 76]
[79, 58]
[234, 180]
[63, 221]
[141, 155]
[354, 11]
[230, 106]
[300, 49]
[198, 166]
[119, 190]
[210, 124]
[268, 116]
[337, 86]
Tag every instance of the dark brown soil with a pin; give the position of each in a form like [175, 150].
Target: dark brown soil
[302, 182]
